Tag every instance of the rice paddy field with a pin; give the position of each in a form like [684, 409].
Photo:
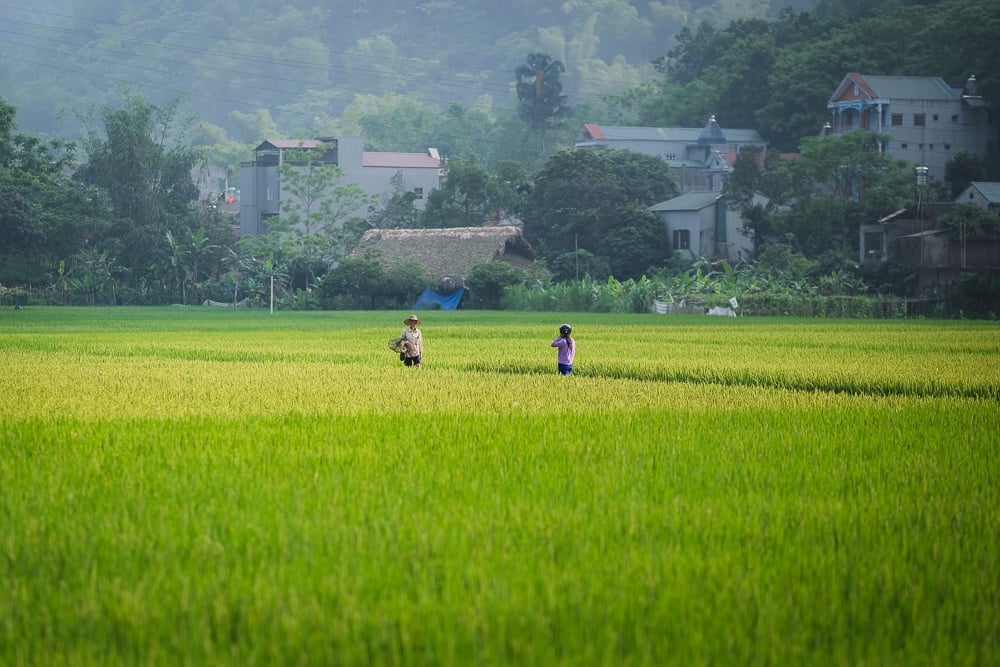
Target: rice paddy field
[186, 486]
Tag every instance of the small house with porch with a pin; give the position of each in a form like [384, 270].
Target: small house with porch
[698, 224]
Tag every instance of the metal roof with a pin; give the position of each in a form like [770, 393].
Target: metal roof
[909, 87]
[690, 201]
[400, 160]
[598, 133]
[988, 189]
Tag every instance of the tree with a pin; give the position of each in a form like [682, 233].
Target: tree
[354, 283]
[594, 200]
[471, 196]
[839, 182]
[757, 175]
[463, 198]
[580, 264]
[397, 210]
[488, 281]
[394, 122]
[539, 92]
[316, 209]
[404, 282]
[44, 217]
[637, 244]
[968, 221]
[962, 169]
[141, 162]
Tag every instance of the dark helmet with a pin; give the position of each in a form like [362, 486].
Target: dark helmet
[565, 329]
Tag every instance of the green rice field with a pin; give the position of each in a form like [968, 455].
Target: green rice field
[189, 486]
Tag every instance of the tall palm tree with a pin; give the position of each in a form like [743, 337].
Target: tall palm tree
[539, 92]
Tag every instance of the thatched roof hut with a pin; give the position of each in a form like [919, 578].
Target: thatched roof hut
[447, 255]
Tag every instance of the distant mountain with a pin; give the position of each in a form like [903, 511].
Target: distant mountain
[305, 63]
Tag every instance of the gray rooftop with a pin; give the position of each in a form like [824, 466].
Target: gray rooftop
[911, 88]
[690, 201]
[989, 190]
[689, 135]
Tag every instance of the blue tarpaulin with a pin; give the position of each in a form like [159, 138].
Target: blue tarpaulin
[432, 300]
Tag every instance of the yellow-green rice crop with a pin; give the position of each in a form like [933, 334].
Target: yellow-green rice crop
[188, 486]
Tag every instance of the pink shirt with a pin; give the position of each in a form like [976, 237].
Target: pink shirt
[567, 349]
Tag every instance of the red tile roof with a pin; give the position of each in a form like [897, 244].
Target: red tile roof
[860, 80]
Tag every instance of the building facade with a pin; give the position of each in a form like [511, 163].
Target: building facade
[260, 183]
[698, 224]
[984, 194]
[928, 120]
[700, 158]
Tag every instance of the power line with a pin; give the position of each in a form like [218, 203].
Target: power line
[393, 63]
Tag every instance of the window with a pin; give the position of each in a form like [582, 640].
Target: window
[897, 119]
[419, 192]
[954, 118]
[270, 193]
[873, 245]
[682, 239]
[947, 147]
[670, 157]
[934, 117]
[919, 120]
[904, 145]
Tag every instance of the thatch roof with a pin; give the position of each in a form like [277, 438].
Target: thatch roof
[446, 255]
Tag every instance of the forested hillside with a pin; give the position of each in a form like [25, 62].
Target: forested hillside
[306, 62]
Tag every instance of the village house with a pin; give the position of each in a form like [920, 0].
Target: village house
[260, 183]
[982, 194]
[928, 120]
[700, 158]
[698, 224]
[912, 238]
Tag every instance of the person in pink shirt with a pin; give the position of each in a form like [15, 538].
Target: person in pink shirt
[567, 349]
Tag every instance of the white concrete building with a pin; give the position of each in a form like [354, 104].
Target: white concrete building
[928, 120]
[260, 182]
[699, 224]
[700, 157]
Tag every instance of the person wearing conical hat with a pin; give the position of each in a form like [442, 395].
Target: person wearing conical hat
[413, 341]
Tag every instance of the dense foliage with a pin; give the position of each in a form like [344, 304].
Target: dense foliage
[128, 227]
[598, 201]
[307, 63]
[776, 76]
